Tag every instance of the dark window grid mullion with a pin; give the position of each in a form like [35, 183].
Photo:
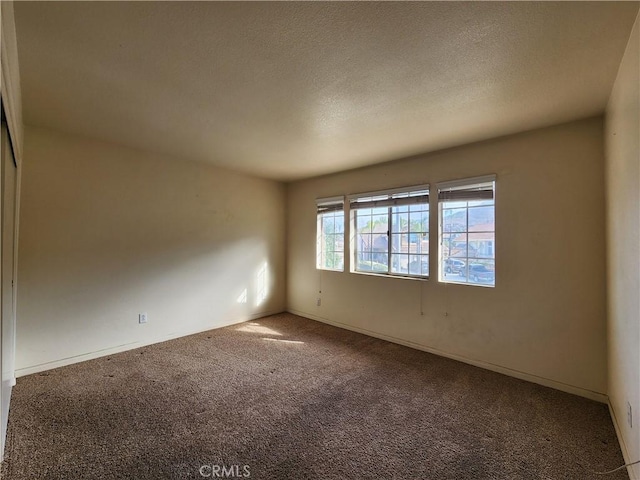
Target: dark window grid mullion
[356, 250]
[467, 244]
[389, 218]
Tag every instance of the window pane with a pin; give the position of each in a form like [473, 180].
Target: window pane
[402, 244]
[482, 271]
[339, 223]
[425, 265]
[400, 222]
[415, 264]
[338, 260]
[454, 204]
[363, 223]
[364, 261]
[380, 224]
[380, 262]
[329, 243]
[481, 219]
[454, 245]
[401, 209]
[415, 222]
[325, 260]
[480, 202]
[364, 243]
[422, 244]
[481, 245]
[423, 221]
[328, 222]
[454, 267]
[414, 267]
[395, 242]
[399, 263]
[454, 220]
[380, 244]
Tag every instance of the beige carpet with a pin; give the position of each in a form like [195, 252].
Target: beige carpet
[285, 397]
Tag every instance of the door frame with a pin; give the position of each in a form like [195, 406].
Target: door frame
[13, 315]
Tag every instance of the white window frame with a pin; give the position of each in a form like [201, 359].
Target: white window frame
[390, 198]
[464, 184]
[329, 205]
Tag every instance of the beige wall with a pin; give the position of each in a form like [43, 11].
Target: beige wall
[545, 320]
[108, 232]
[623, 241]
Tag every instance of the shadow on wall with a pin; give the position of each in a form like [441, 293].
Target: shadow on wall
[108, 233]
[93, 303]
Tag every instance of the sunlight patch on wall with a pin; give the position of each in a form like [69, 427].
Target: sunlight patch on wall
[262, 284]
[242, 298]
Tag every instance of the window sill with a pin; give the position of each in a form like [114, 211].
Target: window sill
[390, 275]
[484, 285]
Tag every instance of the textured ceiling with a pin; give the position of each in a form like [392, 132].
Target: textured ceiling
[292, 90]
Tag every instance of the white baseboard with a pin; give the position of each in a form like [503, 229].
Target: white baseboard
[547, 382]
[623, 445]
[21, 372]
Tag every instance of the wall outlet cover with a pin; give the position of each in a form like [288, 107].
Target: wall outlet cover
[142, 318]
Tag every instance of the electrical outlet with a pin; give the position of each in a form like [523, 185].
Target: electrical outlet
[319, 301]
[629, 415]
[142, 318]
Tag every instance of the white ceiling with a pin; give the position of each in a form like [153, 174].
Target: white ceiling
[292, 90]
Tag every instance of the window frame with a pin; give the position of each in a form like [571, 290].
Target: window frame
[459, 185]
[324, 206]
[390, 202]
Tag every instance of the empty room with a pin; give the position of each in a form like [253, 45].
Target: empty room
[320, 240]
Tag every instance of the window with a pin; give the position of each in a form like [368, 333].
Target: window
[330, 234]
[467, 231]
[392, 232]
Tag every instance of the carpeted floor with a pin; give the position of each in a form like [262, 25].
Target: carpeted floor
[288, 398]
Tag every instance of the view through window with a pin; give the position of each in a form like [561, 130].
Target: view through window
[392, 232]
[467, 231]
[330, 234]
